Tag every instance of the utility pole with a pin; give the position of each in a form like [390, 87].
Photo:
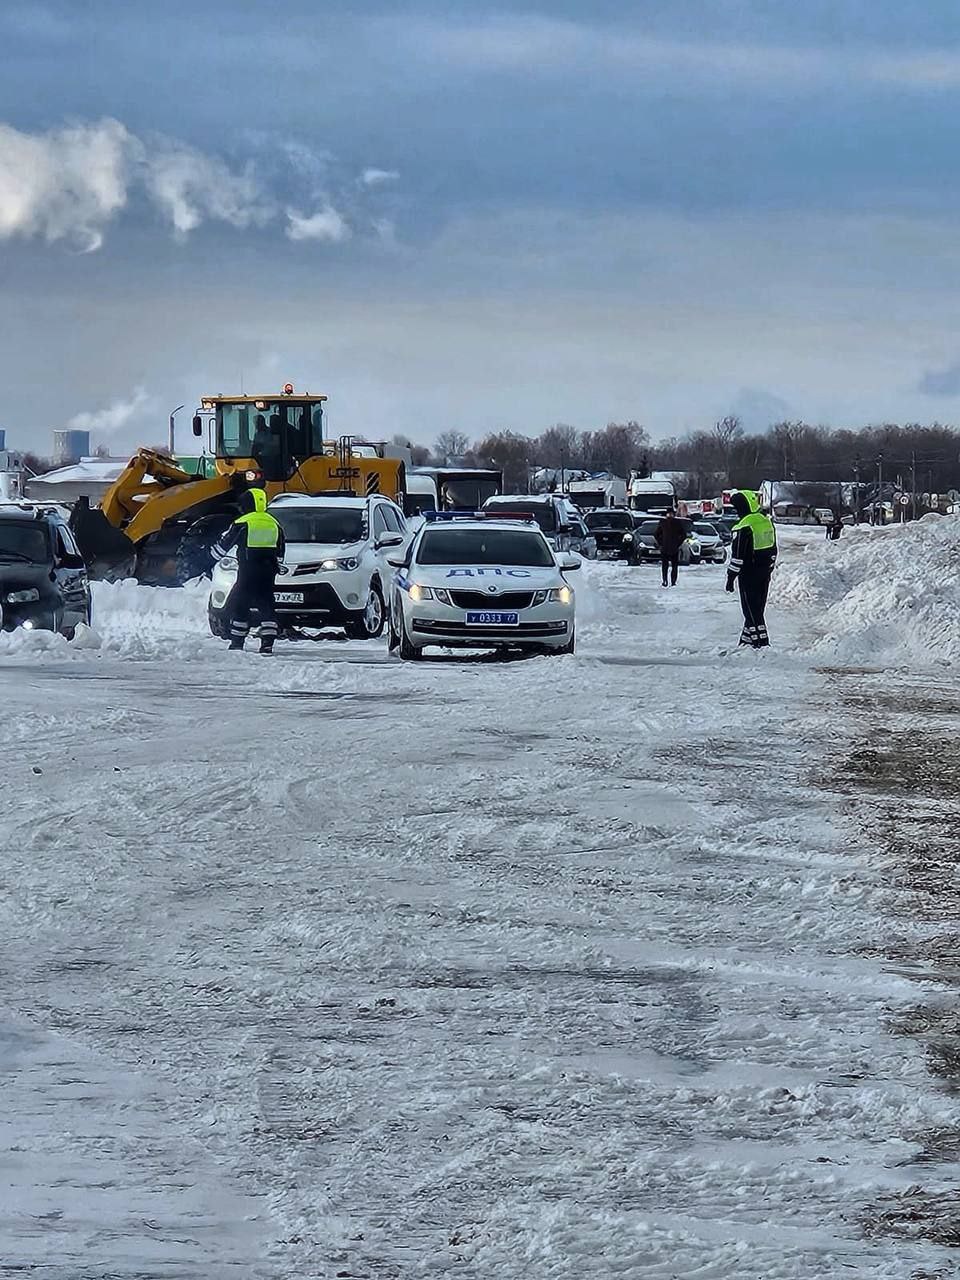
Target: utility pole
[879, 507]
[856, 489]
[913, 484]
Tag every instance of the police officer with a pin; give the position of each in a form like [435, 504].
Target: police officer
[259, 543]
[752, 557]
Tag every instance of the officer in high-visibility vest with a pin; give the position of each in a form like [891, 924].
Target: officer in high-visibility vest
[752, 558]
[258, 540]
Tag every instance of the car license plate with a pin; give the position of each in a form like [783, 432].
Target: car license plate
[493, 619]
[288, 597]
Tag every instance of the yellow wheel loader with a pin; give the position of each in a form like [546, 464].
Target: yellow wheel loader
[158, 523]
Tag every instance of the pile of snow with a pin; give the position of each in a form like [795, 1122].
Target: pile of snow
[129, 621]
[881, 595]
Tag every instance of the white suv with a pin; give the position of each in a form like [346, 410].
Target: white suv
[334, 571]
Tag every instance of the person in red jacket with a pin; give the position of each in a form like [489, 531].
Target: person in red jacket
[670, 536]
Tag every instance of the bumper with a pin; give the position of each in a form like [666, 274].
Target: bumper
[321, 605]
[549, 632]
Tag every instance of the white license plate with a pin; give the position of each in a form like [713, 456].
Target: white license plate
[288, 597]
[493, 619]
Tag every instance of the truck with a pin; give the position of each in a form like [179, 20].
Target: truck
[598, 491]
[647, 493]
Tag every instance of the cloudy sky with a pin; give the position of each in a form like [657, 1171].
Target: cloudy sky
[476, 215]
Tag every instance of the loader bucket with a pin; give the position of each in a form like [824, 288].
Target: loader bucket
[108, 552]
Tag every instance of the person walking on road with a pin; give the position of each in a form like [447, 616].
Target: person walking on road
[752, 558]
[670, 536]
[259, 544]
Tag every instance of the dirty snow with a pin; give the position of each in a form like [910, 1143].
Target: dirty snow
[570, 967]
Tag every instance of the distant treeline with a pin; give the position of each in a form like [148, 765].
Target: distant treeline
[710, 460]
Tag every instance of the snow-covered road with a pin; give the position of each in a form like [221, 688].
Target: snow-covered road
[583, 967]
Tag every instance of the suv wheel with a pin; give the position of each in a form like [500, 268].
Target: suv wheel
[368, 623]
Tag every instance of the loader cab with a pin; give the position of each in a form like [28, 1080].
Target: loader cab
[273, 436]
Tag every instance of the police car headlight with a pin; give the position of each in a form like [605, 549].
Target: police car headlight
[539, 597]
[420, 593]
[441, 594]
[22, 597]
[346, 562]
[561, 595]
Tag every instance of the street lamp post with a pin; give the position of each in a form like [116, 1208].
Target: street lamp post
[170, 442]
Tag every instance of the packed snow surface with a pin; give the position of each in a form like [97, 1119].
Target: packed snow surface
[328, 965]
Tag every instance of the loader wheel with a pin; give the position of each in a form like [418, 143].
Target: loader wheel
[194, 558]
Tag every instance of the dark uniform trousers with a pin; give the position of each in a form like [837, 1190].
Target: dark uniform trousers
[754, 588]
[253, 594]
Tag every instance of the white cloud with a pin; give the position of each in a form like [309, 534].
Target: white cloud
[67, 184]
[326, 225]
[191, 188]
[116, 416]
[378, 177]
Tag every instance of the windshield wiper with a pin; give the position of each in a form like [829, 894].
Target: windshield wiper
[16, 555]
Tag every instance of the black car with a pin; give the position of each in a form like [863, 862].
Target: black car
[43, 578]
[609, 525]
[643, 545]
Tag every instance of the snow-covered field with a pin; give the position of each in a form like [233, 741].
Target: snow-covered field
[619, 964]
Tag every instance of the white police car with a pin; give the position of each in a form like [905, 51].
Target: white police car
[480, 582]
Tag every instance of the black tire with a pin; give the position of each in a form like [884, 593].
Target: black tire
[408, 652]
[569, 647]
[194, 552]
[366, 625]
[219, 626]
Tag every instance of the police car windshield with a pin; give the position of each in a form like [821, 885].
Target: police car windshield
[484, 546]
[320, 524]
[20, 540]
[545, 513]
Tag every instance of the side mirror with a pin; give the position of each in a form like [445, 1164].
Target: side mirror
[569, 563]
[396, 563]
[388, 540]
[197, 425]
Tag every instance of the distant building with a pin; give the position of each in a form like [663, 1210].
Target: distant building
[70, 446]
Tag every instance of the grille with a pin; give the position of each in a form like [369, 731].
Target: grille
[463, 629]
[486, 600]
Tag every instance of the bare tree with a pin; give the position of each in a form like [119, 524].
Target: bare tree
[449, 445]
[727, 432]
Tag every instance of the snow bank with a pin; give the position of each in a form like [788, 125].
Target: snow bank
[881, 596]
[129, 621]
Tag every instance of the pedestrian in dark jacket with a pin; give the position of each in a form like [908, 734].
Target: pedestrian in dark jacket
[258, 540]
[752, 558]
[670, 535]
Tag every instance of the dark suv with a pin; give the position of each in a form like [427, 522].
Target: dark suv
[43, 579]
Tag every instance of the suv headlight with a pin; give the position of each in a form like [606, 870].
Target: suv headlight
[561, 595]
[345, 562]
[22, 597]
